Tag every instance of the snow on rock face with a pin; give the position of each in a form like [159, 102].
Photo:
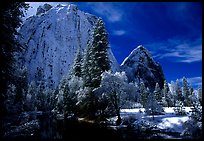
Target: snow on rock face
[43, 9]
[52, 39]
[140, 66]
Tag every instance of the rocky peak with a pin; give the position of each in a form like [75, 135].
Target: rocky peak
[43, 8]
[140, 66]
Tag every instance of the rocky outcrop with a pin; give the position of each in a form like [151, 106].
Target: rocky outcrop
[141, 67]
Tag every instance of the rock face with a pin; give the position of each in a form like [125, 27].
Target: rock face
[43, 9]
[140, 67]
[52, 38]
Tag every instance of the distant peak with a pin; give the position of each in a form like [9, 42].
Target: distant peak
[73, 7]
[43, 8]
[140, 47]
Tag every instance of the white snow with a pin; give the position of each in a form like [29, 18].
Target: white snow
[169, 121]
[173, 123]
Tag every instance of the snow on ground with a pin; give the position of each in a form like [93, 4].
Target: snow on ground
[168, 121]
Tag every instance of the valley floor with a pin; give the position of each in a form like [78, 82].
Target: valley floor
[135, 125]
[169, 123]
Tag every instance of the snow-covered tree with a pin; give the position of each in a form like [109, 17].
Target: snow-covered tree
[173, 92]
[77, 66]
[179, 108]
[10, 99]
[86, 102]
[193, 126]
[196, 112]
[143, 94]
[132, 92]
[71, 89]
[186, 92]
[178, 91]
[96, 59]
[31, 97]
[191, 91]
[112, 88]
[67, 95]
[152, 106]
[21, 87]
[157, 93]
[167, 95]
[41, 97]
[165, 89]
[200, 95]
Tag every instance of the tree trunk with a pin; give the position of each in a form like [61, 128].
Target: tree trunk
[119, 118]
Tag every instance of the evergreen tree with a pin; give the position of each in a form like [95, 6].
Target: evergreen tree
[143, 94]
[77, 66]
[9, 102]
[167, 95]
[200, 95]
[60, 96]
[196, 112]
[157, 93]
[193, 126]
[186, 93]
[67, 95]
[179, 108]
[152, 106]
[191, 90]
[31, 97]
[96, 61]
[178, 91]
[96, 57]
[173, 92]
[165, 89]
[41, 97]
[21, 87]
[11, 14]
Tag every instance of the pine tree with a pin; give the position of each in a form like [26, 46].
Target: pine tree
[31, 97]
[179, 108]
[152, 106]
[77, 66]
[200, 95]
[191, 90]
[186, 93]
[10, 100]
[143, 94]
[96, 61]
[157, 93]
[96, 57]
[41, 97]
[173, 92]
[167, 95]
[165, 89]
[178, 91]
[196, 112]
[11, 14]
[67, 94]
[193, 126]
[60, 96]
[21, 86]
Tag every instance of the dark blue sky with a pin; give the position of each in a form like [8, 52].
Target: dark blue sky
[171, 31]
